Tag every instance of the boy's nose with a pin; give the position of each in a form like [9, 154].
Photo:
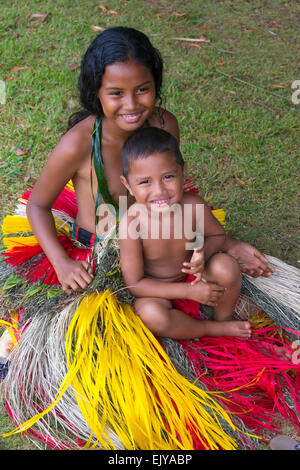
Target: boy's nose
[159, 188]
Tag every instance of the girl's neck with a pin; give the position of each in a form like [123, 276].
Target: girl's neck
[112, 132]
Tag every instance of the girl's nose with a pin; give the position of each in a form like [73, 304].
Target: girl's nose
[130, 102]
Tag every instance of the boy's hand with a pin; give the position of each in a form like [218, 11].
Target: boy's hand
[207, 293]
[196, 265]
[74, 275]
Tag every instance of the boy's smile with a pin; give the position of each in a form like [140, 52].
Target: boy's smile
[127, 94]
[155, 181]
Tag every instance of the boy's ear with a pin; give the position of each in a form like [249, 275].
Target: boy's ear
[126, 184]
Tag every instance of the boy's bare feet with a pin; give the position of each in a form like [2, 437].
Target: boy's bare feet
[227, 328]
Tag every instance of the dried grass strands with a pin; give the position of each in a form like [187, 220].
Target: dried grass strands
[278, 295]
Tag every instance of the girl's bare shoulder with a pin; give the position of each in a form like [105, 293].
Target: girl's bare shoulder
[165, 120]
[76, 142]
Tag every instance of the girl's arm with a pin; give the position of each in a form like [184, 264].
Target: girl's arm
[250, 259]
[60, 168]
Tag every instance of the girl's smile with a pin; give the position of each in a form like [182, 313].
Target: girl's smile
[127, 94]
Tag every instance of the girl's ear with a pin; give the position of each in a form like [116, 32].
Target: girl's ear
[126, 184]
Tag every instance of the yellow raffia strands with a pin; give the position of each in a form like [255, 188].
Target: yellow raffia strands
[12, 242]
[220, 215]
[17, 224]
[70, 186]
[10, 327]
[124, 381]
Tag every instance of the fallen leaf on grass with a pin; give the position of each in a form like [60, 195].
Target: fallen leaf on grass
[219, 64]
[178, 14]
[19, 152]
[231, 91]
[276, 86]
[246, 30]
[200, 39]
[96, 28]
[39, 17]
[197, 46]
[238, 179]
[275, 24]
[16, 68]
[106, 10]
[45, 48]
[73, 67]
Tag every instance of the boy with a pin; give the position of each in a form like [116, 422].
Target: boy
[155, 266]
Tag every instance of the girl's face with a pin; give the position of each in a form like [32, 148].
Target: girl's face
[127, 94]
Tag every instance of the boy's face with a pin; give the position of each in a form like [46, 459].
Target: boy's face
[155, 181]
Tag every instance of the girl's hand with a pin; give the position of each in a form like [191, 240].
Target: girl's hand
[251, 261]
[74, 275]
[196, 265]
[207, 293]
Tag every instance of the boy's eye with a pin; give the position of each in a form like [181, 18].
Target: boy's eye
[167, 177]
[144, 182]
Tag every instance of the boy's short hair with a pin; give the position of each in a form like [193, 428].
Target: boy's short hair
[146, 142]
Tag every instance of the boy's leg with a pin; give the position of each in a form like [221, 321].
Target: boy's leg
[163, 320]
[225, 271]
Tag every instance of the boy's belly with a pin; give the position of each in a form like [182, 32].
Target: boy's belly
[165, 270]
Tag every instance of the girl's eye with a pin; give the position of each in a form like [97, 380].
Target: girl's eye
[143, 90]
[168, 177]
[115, 93]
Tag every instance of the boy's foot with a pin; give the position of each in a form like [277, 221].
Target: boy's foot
[229, 328]
[284, 443]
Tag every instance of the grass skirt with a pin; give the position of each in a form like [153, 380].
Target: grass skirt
[86, 373]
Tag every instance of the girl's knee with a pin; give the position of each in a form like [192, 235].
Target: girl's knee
[225, 268]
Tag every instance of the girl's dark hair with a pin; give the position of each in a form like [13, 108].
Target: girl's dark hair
[116, 44]
[147, 141]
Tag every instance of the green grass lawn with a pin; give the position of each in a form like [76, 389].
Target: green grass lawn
[231, 94]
